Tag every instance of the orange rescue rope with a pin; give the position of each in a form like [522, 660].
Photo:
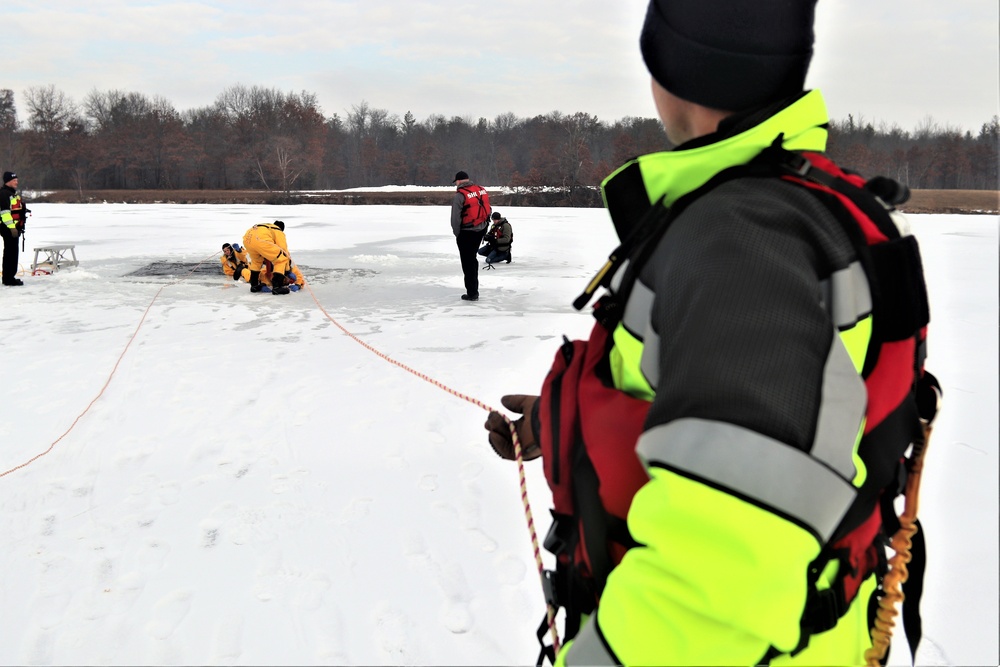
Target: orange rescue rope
[517, 444]
[110, 375]
[550, 610]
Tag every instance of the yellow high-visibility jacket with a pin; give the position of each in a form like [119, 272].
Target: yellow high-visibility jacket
[746, 330]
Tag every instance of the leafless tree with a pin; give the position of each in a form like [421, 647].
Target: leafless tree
[50, 114]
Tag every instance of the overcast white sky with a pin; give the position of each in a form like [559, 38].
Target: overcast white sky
[902, 62]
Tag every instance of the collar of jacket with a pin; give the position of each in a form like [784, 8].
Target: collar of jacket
[635, 186]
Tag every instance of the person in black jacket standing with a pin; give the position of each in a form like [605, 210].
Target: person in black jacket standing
[12, 212]
[470, 216]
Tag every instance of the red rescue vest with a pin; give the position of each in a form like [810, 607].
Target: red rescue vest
[476, 208]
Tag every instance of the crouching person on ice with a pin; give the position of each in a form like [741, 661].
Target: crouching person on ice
[724, 450]
[233, 260]
[267, 243]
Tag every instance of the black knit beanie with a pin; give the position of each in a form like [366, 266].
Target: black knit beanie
[729, 54]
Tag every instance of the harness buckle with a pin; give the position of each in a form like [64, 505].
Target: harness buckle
[824, 608]
[929, 396]
[558, 538]
[549, 588]
[798, 164]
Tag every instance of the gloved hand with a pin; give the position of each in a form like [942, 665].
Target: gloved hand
[238, 272]
[500, 437]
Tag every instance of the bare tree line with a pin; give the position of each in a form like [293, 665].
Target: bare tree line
[266, 139]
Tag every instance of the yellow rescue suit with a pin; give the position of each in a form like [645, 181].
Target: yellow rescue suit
[267, 242]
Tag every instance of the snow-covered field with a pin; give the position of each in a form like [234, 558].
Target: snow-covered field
[219, 477]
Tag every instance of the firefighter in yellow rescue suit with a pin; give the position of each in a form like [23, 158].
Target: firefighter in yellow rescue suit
[267, 241]
[233, 259]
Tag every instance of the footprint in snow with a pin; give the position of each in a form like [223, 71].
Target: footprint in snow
[355, 511]
[415, 548]
[169, 493]
[152, 555]
[127, 590]
[435, 437]
[311, 591]
[428, 483]
[509, 569]
[456, 614]
[210, 529]
[227, 642]
[168, 614]
[394, 633]
[470, 471]
[330, 642]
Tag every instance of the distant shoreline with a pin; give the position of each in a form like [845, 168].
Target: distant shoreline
[921, 201]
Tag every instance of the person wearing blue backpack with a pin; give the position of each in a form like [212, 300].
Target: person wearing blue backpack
[724, 450]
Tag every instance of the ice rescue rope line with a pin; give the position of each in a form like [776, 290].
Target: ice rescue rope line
[550, 611]
[892, 584]
[110, 375]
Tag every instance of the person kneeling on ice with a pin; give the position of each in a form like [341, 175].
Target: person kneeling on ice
[267, 242]
[233, 259]
[498, 240]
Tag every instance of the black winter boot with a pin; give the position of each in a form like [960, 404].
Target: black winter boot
[255, 281]
[278, 283]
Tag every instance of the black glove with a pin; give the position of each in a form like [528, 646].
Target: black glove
[500, 436]
[238, 272]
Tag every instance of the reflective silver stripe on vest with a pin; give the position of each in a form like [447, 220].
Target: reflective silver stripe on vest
[616, 280]
[841, 411]
[588, 649]
[638, 309]
[847, 296]
[756, 467]
[636, 321]
[649, 364]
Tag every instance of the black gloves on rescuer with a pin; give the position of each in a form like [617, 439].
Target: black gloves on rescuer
[238, 272]
[500, 436]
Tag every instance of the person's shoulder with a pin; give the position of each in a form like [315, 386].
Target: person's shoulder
[747, 218]
[750, 200]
